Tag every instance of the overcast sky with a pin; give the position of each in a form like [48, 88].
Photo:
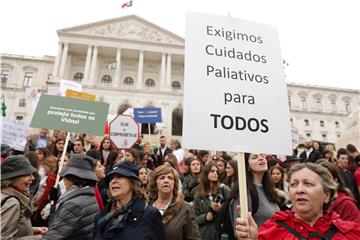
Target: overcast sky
[319, 38]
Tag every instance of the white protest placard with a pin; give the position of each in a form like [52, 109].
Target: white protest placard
[124, 131]
[235, 95]
[13, 133]
[68, 84]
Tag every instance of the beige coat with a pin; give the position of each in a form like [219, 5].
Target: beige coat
[15, 216]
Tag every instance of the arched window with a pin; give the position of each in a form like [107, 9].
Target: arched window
[322, 123]
[177, 122]
[150, 83]
[106, 79]
[78, 77]
[176, 85]
[128, 81]
[337, 124]
[22, 102]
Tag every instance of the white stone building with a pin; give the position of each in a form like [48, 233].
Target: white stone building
[130, 62]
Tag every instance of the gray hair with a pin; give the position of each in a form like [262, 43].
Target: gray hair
[327, 181]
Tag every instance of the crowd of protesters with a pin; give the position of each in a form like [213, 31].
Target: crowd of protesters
[161, 191]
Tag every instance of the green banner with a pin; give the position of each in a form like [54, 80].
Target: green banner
[69, 114]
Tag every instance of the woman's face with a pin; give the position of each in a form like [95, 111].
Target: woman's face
[258, 163]
[173, 145]
[221, 166]
[316, 145]
[66, 160]
[129, 157]
[143, 176]
[195, 167]
[307, 194]
[40, 155]
[144, 160]
[165, 183]
[99, 170]
[276, 175]
[60, 146]
[120, 187]
[229, 170]
[147, 148]
[106, 144]
[205, 158]
[22, 183]
[328, 155]
[213, 175]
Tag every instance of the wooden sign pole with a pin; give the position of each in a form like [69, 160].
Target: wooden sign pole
[242, 187]
[62, 159]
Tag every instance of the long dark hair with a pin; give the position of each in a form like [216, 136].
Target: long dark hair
[279, 185]
[266, 181]
[204, 186]
[230, 180]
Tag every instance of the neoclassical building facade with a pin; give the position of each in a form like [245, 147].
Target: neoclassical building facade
[130, 62]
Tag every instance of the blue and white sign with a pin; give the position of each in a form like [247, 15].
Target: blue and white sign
[147, 115]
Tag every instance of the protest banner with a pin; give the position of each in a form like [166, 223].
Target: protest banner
[245, 102]
[68, 114]
[68, 84]
[124, 131]
[148, 115]
[80, 95]
[13, 133]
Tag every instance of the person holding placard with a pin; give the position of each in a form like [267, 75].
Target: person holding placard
[76, 209]
[312, 190]
[208, 201]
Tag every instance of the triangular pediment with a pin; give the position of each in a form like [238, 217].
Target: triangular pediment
[129, 27]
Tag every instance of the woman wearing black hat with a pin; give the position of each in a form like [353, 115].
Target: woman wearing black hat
[16, 177]
[77, 207]
[127, 216]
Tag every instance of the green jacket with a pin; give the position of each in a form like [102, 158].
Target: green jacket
[202, 205]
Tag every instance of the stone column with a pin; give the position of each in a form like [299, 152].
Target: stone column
[116, 82]
[168, 70]
[93, 66]
[140, 71]
[63, 60]
[57, 61]
[162, 71]
[87, 64]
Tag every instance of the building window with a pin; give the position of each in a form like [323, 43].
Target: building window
[291, 120]
[129, 81]
[4, 75]
[324, 138]
[308, 136]
[176, 85]
[150, 83]
[106, 80]
[28, 79]
[289, 100]
[347, 106]
[49, 77]
[318, 104]
[19, 118]
[306, 122]
[337, 124]
[333, 105]
[322, 124]
[303, 103]
[78, 77]
[338, 135]
[22, 102]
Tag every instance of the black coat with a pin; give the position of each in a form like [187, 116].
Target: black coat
[139, 221]
[161, 156]
[313, 156]
[75, 216]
